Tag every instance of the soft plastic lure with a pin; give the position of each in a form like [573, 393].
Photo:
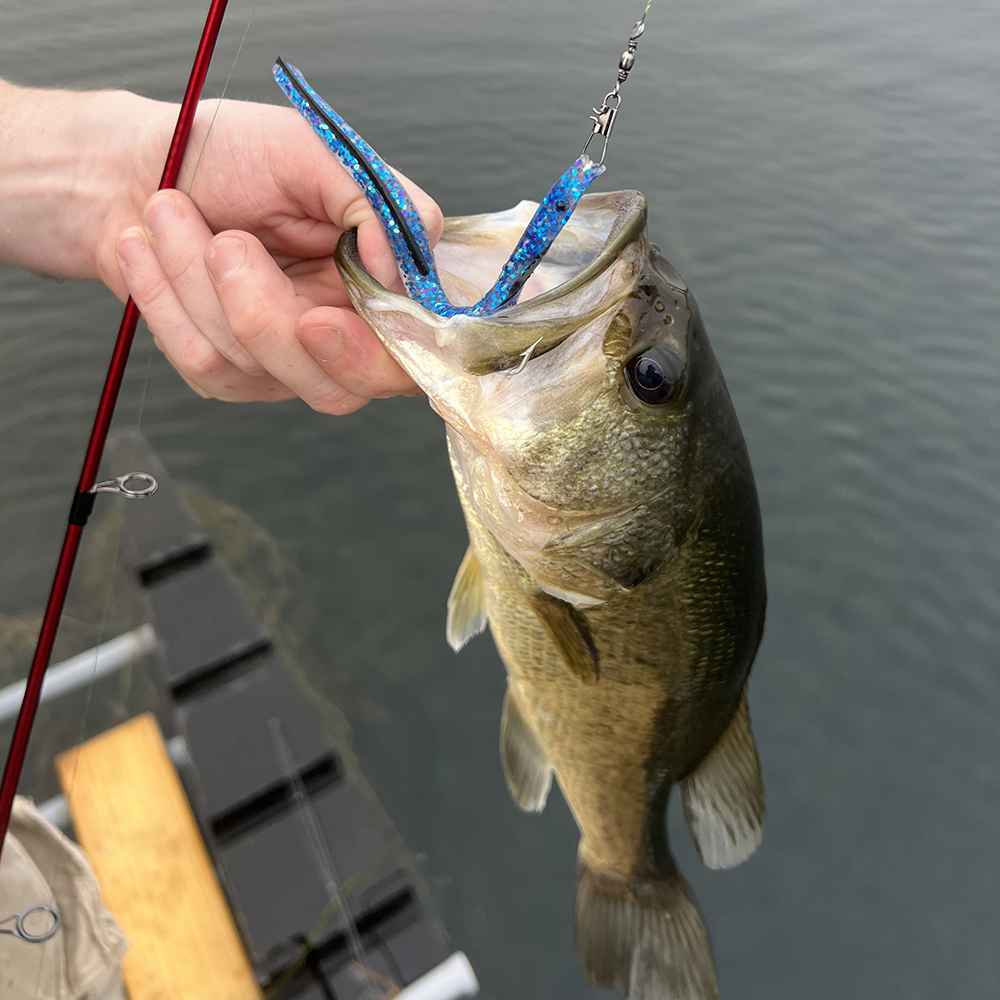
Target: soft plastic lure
[399, 216]
[402, 223]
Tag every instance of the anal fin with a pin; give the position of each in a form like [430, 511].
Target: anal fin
[567, 628]
[724, 796]
[466, 613]
[528, 774]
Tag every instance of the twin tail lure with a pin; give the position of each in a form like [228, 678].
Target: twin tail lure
[399, 216]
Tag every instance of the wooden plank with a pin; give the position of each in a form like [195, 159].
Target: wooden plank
[134, 821]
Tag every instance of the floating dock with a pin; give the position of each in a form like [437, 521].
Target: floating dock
[257, 809]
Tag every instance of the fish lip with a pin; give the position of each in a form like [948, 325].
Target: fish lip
[630, 223]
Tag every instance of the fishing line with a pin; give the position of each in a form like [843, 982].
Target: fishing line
[357, 880]
[41, 970]
[400, 220]
[316, 845]
[222, 97]
[202, 60]
[102, 628]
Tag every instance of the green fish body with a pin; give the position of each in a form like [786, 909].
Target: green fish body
[616, 554]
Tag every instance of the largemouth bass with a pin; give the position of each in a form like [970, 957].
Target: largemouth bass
[615, 553]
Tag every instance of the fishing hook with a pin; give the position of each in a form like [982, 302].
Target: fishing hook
[525, 358]
[401, 221]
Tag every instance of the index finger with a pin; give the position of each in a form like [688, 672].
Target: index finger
[263, 309]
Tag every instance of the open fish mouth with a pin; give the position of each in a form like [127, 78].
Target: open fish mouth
[549, 447]
[590, 267]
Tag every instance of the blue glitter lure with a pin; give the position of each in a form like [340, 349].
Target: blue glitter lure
[401, 222]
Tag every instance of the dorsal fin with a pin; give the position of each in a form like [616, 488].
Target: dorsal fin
[466, 614]
[567, 627]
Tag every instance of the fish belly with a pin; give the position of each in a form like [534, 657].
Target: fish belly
[618, 745]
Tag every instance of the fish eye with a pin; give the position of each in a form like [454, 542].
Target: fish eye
[656, 376]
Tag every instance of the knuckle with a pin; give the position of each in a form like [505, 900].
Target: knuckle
[182, 263]
[197, 388]
[252, 322]
[248, 364]
[201, 361]
[336, 401]
[377, 384]
[149, 287]
[356, 211]
[348, 405]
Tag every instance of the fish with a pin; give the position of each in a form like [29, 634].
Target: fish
[615, 554]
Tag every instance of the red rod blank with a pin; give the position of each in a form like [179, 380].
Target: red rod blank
[98, 439]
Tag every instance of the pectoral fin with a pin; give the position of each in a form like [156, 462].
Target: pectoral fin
[466, 614]
[528, 774]
[724, 797]
[567, 628]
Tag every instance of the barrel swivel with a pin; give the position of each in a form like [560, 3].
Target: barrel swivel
[604, 116]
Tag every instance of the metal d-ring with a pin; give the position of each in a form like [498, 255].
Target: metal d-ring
[120, 486]
[19, 930]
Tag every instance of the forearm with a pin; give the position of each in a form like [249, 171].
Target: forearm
[72, 174]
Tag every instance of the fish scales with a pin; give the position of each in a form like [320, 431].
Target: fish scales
[645, 699]
[616, 554]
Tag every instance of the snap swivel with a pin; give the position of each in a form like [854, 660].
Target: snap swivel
[604, 116]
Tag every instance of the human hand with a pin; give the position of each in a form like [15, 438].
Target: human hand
[258, 311]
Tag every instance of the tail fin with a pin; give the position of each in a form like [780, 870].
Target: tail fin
[647, 940]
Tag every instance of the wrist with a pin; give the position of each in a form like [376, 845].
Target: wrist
[119, 176]
[73, 174]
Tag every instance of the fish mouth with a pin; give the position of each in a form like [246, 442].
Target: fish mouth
[502, 380]
[589, 268]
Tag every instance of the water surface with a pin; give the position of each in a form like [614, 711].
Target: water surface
[826, 178]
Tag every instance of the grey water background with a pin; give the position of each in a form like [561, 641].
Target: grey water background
[826, 178]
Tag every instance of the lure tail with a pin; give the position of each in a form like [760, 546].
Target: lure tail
[388, 198]
[401, 221]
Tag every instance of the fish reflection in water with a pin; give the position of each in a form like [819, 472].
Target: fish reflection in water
[615, 553]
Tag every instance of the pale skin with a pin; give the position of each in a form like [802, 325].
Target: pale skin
[236, 281]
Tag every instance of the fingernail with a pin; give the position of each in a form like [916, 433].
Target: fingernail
[131, 246]
[225, 256]
[158, 211]
[324, 343]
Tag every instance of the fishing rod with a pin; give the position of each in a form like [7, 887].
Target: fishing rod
[87, 486]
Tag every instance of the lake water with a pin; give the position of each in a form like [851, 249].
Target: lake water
[827, 179]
